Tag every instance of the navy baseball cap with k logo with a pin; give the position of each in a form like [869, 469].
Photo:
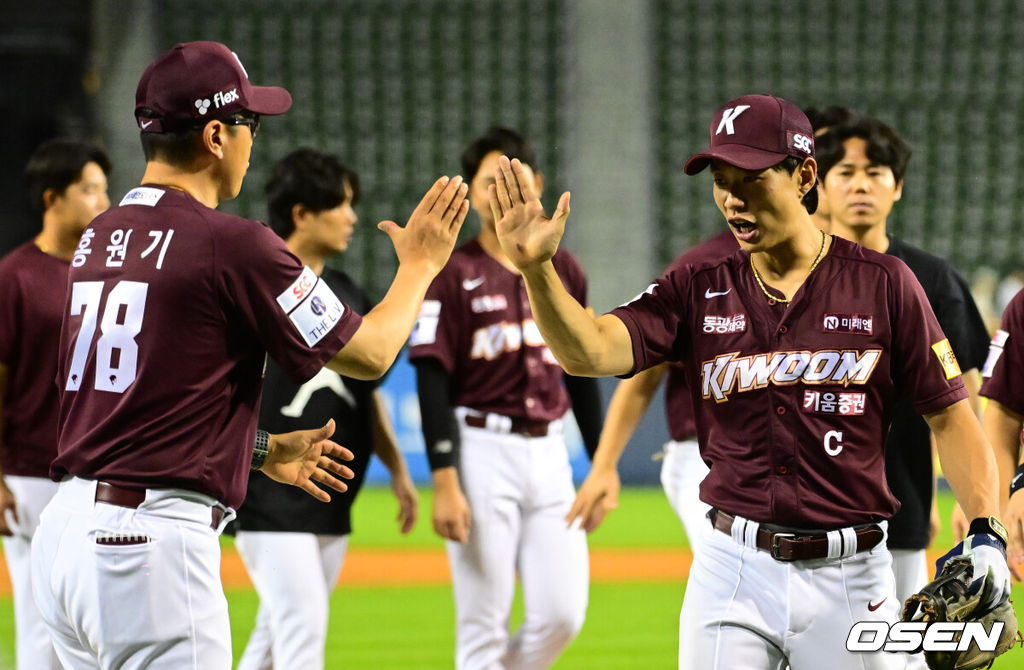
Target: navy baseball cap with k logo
[195, 82]
[755, 132]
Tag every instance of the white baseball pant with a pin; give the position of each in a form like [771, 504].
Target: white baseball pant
[519, 490]
[291, 622]
[744, 609]
[910, 569]
[33, 649]
[132, 588]
[682, 471]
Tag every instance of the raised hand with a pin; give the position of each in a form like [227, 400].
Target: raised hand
[527, 235]
[434, 226]
[303, 457]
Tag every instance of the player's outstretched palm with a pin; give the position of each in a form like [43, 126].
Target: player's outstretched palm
[598, 495]
[527, 235]
[433, 227]
[305, 457]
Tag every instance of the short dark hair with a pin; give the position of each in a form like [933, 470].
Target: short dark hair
[827, 117]
[505, 140]
[884, 146]
[57, 164]
[307, 177]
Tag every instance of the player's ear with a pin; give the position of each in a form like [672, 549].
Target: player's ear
[300, 215]
[213, 137]
[899, 191]
[50, 196]
[807, 174]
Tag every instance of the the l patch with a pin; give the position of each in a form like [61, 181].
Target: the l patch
[947, 358]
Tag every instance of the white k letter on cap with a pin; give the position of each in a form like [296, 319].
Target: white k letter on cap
[728, 116]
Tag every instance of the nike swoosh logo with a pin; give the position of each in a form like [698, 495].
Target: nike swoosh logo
[145, 124]
[714, 294]
[872, 608]
[470, 284]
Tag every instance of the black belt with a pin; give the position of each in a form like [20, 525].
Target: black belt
[797, 546]
[123, 496]
[520, 425]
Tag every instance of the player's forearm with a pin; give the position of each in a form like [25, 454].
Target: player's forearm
[1002, 428]
[385, 444]
[386, 327]
[972, 382]
[583, 345]
[967, 459]
[628, 404]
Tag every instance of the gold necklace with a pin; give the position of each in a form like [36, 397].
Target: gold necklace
[774, 299]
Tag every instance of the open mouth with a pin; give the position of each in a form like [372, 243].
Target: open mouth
[745, 230]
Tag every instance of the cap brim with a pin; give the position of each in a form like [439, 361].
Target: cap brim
[746, 158]
[269, 100]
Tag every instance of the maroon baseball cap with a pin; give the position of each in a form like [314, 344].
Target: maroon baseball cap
[755, 132]
[199, 81]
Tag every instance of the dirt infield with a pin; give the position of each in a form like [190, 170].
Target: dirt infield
[371, 567]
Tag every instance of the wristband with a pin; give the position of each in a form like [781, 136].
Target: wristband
[260, 450]
[990, 526]
[1017, 483]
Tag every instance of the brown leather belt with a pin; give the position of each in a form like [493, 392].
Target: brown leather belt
[520, 425]
[122, 496]
[785, 546]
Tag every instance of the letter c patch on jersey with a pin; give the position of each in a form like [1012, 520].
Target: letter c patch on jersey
[944, 353]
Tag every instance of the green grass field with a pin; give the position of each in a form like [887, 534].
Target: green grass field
[629, 625]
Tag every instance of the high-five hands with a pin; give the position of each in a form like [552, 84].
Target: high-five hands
[433, 227]
[526, 234]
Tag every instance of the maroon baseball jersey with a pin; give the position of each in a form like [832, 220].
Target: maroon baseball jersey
[1004, 367]
[678, 405]
[794, 400]
[477, 321]
[32, 288]
[171, 310]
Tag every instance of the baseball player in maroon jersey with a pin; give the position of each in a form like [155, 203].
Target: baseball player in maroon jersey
[801, 344]
[1003, 420]
[492, 400]
[171, 310]
[67, 182]
[682, 469]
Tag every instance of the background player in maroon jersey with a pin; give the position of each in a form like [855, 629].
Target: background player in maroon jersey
[861, 167]
[283, 535]
[492, 400]
[67, 184]
[800, 359]
[172, 308]
[1003, 420]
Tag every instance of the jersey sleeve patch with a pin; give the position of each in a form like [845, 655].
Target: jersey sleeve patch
[142, 195]
[425, 330]
[298, 291]
[944, 352]
[317, 314]
[995, 350]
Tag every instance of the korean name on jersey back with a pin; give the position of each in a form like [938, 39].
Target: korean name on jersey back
[730, 373]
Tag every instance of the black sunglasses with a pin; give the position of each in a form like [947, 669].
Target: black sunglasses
[252, 121]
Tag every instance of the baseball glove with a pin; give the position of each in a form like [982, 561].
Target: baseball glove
[948, 598]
